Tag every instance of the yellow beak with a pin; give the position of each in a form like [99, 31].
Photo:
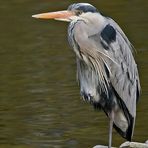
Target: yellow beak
[58, 15]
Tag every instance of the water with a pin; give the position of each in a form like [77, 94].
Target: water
[39, 96]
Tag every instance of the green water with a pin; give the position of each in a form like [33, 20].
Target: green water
[40, 106]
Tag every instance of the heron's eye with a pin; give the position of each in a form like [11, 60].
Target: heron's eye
[78, 12]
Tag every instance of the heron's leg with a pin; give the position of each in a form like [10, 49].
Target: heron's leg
[111, 119]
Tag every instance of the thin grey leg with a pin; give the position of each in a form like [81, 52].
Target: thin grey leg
[110, 129]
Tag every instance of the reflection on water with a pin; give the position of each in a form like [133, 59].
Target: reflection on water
[39, 97]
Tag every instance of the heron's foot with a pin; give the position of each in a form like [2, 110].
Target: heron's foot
[101, 146]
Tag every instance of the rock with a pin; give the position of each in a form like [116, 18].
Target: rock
[127, 144]
[133, 145]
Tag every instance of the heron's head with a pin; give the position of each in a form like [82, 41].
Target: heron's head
[74, 11]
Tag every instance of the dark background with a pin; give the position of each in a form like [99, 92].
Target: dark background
[39, 96]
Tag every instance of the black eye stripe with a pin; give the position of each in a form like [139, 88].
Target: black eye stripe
[87, 8]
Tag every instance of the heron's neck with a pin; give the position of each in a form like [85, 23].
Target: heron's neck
[93, 18]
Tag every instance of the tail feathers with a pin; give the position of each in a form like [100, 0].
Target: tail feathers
[124, 122]
[129, 131]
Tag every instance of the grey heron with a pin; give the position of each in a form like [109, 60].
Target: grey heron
[106, 69]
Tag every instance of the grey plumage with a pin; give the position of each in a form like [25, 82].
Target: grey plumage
[107, 72]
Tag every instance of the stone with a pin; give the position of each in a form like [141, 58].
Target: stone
[133, 145]
[127, 144]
